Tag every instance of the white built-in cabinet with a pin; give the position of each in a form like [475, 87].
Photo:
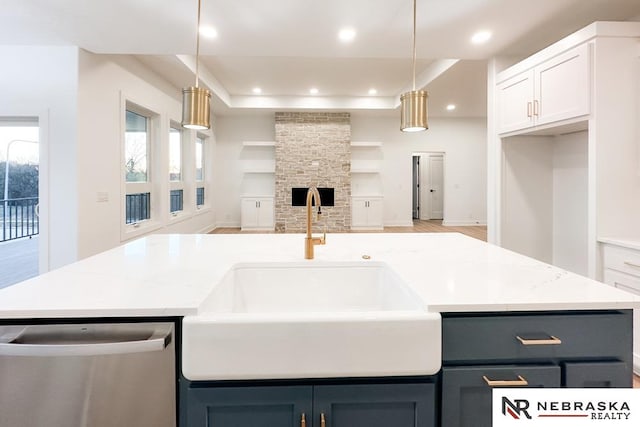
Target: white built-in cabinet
[557, 89]
[366, 213]
[622, 271]
[258, 185]
[565, 145]
[257, 213]
[367, 203]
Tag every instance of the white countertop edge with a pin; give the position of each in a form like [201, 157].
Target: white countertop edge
[627, 243]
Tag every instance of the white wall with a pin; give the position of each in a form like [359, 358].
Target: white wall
[570, 192]
[105, 83]
[42, 82]
[462, 140]
[465, 172]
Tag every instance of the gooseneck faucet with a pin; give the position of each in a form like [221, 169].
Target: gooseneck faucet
[310, 241]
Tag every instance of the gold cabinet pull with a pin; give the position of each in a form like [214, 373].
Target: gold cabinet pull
[505, 383]
[529, 114]
[536, 108]
[323, 422]
[303, 421]
[549, 341]
[631, 264]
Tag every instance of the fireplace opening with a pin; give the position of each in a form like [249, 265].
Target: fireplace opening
[299, 196]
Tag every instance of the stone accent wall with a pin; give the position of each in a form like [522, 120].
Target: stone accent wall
[313, 149]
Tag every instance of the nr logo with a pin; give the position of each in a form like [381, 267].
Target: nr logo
[516, 409]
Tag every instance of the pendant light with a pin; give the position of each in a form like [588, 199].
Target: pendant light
[196, 101]
[413, 104]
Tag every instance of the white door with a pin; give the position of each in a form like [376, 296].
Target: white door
[436, 187]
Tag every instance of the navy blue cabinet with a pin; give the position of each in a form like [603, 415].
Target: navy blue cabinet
[340, 405]
[543, 349]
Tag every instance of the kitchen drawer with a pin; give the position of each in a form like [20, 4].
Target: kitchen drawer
[622, 259]
[466, 395]
[626, 282]
[494, 338]
[604, 374]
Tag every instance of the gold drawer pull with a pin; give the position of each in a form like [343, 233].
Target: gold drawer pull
[505, 383]
[303, 421]
[323, 422]
[551, 341]
[631, 264]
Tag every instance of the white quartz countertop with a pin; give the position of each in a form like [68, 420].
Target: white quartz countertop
[171, 275]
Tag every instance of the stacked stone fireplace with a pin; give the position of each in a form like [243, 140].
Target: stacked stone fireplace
[313, 149]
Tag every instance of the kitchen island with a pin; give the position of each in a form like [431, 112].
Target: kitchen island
[503, 315]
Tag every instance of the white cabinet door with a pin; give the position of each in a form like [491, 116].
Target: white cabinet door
[358, 212]
[563, 86]
[374, 213]
[265, 213]
[248, 213]
[515, 102]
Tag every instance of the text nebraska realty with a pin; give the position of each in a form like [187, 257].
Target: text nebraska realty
[595, 410]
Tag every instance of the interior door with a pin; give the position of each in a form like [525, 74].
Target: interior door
[416, 187]
[436, 187]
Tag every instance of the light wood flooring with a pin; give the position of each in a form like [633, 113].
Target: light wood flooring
[636, 381]
[431, 226]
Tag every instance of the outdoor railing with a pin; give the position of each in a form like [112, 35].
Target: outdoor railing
[19, 218]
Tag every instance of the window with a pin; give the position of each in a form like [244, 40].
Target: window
[137, 165]
[200, 170]
[176, 190]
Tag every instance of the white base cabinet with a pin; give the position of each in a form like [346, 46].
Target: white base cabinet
[366, 213]
[257, 213]
[622, 270]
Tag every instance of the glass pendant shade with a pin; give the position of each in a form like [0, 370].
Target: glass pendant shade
[196, 108]
[413, 111]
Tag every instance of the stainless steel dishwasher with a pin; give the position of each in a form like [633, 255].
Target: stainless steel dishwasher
[87, 375]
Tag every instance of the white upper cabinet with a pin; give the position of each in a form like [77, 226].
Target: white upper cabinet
[555, 90]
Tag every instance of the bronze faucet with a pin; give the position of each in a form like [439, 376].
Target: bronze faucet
[310, 241]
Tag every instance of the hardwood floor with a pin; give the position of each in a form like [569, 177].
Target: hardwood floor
[430, 226]
[636, 381]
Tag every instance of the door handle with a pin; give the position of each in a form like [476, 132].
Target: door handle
[549, 341]
[505, 383]
[157, 341]
[323, 421]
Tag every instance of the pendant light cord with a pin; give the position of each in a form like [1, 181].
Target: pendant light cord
[198, 44]
[414, 44]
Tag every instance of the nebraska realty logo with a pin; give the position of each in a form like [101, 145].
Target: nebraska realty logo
[566, 407]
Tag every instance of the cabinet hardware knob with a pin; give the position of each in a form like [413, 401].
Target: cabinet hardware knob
[505, 383]
[550, 341]
[631, 264]
[323, 422]
[303, 421]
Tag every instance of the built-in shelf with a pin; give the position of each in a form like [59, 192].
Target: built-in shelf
[259, 143]
[365, 166]
[366, 144]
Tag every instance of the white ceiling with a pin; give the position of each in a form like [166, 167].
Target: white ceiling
[287, 46]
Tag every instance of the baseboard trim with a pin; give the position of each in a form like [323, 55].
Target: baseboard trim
[206, 230]
[227, 225]
[463, 223]
[398, 224]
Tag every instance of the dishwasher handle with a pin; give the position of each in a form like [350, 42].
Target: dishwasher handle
[158, 341]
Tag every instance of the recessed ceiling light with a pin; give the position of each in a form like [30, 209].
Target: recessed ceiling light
[313, 91]
[347, 34]
[256, 90]
[373, 91]
[451, 107]
[208, 32]
[481, 37]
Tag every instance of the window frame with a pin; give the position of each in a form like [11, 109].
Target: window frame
[201, 183]
[175, 185]
[154, 221]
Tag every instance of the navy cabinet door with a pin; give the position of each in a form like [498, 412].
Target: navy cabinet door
[379, 405]
[248, 406]
[466, 396]
[597, 374]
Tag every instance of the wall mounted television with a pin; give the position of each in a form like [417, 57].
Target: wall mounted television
[299, 196]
